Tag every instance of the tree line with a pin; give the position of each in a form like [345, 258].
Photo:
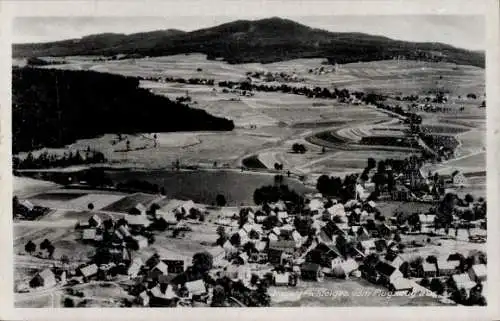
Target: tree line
[46, 160]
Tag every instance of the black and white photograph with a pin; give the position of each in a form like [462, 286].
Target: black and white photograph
[267, 160]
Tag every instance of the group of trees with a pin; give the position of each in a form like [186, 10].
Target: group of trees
[335, 186]
[53, 108]
[299, 148]
[30, 247]
[191, 81]
[274, 193]
[46, 160]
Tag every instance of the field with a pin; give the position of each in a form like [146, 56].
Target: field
[125, 204]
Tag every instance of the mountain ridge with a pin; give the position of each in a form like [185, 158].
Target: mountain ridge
[265, 40]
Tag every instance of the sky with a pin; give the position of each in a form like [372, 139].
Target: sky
[464, 31]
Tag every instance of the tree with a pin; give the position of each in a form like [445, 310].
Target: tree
[30, 247]
[220, 200]
[235, 239]
[437, 286]
[202, 262]
[371, 163]
[431, 259]
[219, 296]
[425, 282]
[50, 250]
[108, 224]
[469, 198]
[64, 259]
[45, 243]
[69, 303]
[397, 238]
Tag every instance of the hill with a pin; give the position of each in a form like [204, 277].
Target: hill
[52, 108]
[265, 40]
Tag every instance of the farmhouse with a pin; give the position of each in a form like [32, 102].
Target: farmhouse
[196, 287]
[387, 272]
[88, 271]
[138, 209]
[218, 254]
[344, 268]
[400, 285]
[95, 221]
[135, 267]
[311, 271]
[367, 247]
[175, 266]
[429, 270]
[462, 281]
[477, 272]
[447, 267]
[140, 241]
[45, 279]
[458, 179]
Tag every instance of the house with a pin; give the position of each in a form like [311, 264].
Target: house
[140, 241]
[328, 232]
[394, 259]
[229, 249]
[162, 299]
[218, 254]
[458, 179]
[429, 270]
[261, 246]
[89, 234]
[380, 245]
[281, 279]
[282, 216]
[359, 232]
[276, 256]
[447, 267]
[95, 221]
[135, 267]
[426, 219]
[241, 259]
[196, 287]
[124, 231]
[324, 255]
[344, 268]
[315, 205]
[387, 272]
[138, 209]
[119, 255]
[143, 298]
[336, 210]
[286, 245]
[311, 272]
[88, 271]
[372, 205]
[297, 238]
[478, 272]
[462, 281]
[45, 279]
[175, 266]
[367, 247]
[243, 236]
[260, 217]
[138, 221]
[159, 269]
[401, 285]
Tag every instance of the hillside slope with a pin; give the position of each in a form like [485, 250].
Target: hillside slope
[265, 40]
[52, 108]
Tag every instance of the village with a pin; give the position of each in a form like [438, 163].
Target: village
[283, 242]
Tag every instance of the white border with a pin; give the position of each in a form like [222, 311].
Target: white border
[239, 8]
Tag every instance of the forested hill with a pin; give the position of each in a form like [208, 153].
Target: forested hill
[265, 40]
[52, 108]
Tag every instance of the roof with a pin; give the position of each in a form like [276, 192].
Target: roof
[282, 214]
[140, 207]
[196, 287]
[89, 270]
[313, 267]
[47, 275]
[315, 204]
[429, 218]
[260, 246]
[138, 220]
[385, 268]
[402, 284]
[27, 204]
[372, 204]
[479, 270]
[281, 278]
[89, 234]
[124, 231]
[162, 267]
[368, 244]
[96, 218]
[348, 266]
[428, 267]
[447, 265]
[135, 266]
[463, 281]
